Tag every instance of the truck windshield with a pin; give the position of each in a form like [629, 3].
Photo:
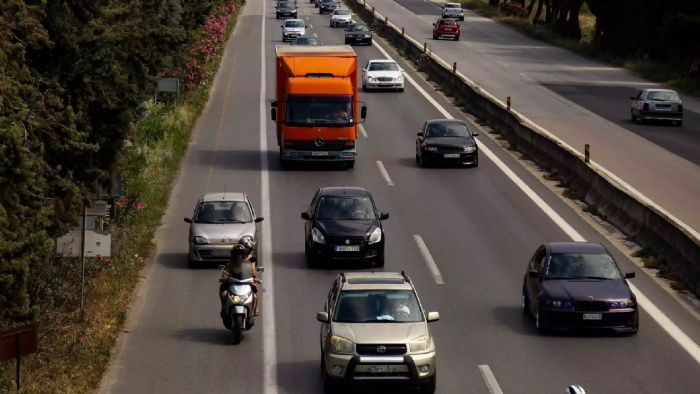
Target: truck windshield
[315, 110]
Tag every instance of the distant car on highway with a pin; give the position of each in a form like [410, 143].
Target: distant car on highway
[358, 34]
[657, 104]
[374, 329]
[446, 141]
[453, 10]
[328, 6]
[293, 28]
[446, 27]
[286, 9]
[218, 223]
[341, 17]
[382, 74]
[571, 285]
[305, 40]
[342, 224]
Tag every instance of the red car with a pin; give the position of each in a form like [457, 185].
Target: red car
[446, 27]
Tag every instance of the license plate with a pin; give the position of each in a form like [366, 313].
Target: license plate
[347, 248]
[451, 155]
[592, 316]
[382, 369]
[319, 153]
[220, 253]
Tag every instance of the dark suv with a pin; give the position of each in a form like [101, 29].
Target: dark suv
[446, 27]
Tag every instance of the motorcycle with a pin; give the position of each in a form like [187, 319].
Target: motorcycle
[237, 311]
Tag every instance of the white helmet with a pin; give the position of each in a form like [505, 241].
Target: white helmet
[575, 389]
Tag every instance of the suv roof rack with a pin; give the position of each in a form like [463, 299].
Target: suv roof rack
[342, 277]
[405, 276]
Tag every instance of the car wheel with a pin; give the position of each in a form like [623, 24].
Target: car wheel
[435, 36]
[191, 263]
[429, 386]
[379, 262]
[679, 123]
[277, 16]
[320, 11]
[346, 42]
[525, 302]
[632, 117]
[539, 322]
[461, 18]
[456, 38]
[421, 161]
[370, 42]
[476, 162]
[311, 260]
[350, 165]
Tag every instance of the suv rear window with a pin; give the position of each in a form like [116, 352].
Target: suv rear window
[448, 22]
[377, 306]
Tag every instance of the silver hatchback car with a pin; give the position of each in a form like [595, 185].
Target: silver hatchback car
[218, 223]
[657, 104]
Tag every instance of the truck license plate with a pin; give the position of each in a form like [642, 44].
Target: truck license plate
[451, 156]
[382, 369]
[347, 248]
[319, 153]
[592, 316]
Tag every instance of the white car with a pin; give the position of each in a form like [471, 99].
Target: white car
[293, 28]
[341, 17]
[382, 74]
[453, 10]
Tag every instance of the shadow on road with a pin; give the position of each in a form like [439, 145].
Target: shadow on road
[249, 160]
[215, 336]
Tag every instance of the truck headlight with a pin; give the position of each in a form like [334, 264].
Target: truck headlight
[421, 344]
[317, 236]
[375, 236]
[200, 240]
[341, 345]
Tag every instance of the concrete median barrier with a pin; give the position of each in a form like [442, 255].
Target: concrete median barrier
[642, 222]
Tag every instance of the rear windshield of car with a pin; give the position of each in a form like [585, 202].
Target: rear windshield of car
[289, 23]
[341, 12]
[581, 266]
[377, 306]
[663, 96]
[345, 208]
[358, 28]
[383, 66]
[448, 22]
[286, 5]
[451, 5]
[223, 212]
[447, 130]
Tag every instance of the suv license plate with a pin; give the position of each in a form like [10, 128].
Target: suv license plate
[319, 153]
[451, 155]
[592, 316]
[382, 369]
[347, 248]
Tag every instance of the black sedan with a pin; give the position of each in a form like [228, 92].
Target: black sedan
[286, 9]
[446, 141]
[571, 285]
[358, 34]
[342, 224]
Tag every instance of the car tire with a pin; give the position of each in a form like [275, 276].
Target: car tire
[632, 117]
[369, 42]
[379, 262]
[435, 36]
[350, 165]
[476, 162]
[277, 16]
[191, 263]
[525, 302]
[422, 162]
[679, 123]
[429, 386]
[456, 38]
[311, 260]
[461, 18]
[539, 323]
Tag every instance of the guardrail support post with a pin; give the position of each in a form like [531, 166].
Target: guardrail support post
[454, 68]
[587, 153]
[425, 47]
[372, 10]
[403, 32]
[508, 103]
[386, 20]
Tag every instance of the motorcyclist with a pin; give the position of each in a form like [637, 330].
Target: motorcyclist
[240, 267]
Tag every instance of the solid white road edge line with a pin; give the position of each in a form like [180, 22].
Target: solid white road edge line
[384, 173]
[490, 379]
[428, 259]
[659, 316]
[363, 131]
[268, 304]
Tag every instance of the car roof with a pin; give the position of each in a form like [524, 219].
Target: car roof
[576, 247]
[344, 191]
[382, 61]
[661, 90]
[456, 4]
[375, 281]
[224, 196]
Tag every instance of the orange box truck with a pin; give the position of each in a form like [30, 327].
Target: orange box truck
[316, 108]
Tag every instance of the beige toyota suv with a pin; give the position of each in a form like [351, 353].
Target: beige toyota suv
[374, 329]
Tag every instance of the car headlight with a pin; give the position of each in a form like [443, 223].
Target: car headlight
[431, 148]
[559, 304]
[468, 149]
[317, 236]
[200, 240]
[622, 304]
[399, 78]
[421, 344]
[368, 36]
[375, 236]
[341, 345]
[370, 79]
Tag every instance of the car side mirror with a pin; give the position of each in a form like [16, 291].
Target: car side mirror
[188, 220]
[383, 216]
[433, 316]
[258, 220]
[305, 216]
[475, 134]
[420, 134]
[273, 114]
[363, 112]
[629, 275]
[533, 274]
[261, 269]
[322, 317]
[282, 26]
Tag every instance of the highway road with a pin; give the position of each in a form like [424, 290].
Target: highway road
[479, 225]
[579, 100]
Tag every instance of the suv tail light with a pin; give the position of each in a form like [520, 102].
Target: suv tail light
[680, 107]
[645, 107]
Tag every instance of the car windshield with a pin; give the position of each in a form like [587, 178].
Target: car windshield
[447, 130]
[358, 28]
[306, 41]
[223, 212]
[325, 110]
[581, 266]
[286, 5]
[345, 208]
[377, 306]
[341, 12]
[383, 66]
[663, 96]
[289, 23]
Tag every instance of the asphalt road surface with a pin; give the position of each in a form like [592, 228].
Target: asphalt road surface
[579, 100]
[479, 226]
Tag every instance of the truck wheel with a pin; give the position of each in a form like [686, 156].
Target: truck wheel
[350, 165]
